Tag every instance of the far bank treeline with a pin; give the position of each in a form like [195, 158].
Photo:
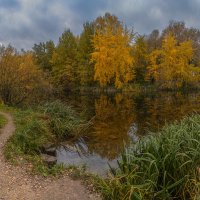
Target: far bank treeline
[106, 54]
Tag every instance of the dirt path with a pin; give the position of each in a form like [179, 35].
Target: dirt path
[17, 184]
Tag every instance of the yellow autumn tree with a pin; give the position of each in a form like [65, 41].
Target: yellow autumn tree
[20, 79]
[171, 65]
[111, 55]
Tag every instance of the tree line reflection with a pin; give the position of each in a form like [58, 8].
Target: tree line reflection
[121, 118]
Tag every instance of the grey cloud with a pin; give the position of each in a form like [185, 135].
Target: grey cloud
[25, 22]
[9, 4]
[147, 15]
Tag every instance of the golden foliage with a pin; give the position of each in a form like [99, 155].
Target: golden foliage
[112, 55]
[20, 78]
[171, 65]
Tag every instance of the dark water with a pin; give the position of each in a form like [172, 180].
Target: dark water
[119, 119]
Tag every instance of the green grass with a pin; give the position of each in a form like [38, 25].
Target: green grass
[63, 121]
[34, 129]
[164, 165]
[31, 134]
[2, 121]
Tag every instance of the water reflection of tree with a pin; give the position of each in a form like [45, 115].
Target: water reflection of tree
[117, 113]
[152, 112]
[114, 117]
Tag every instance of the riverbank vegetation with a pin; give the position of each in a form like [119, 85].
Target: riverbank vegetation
[37, 128]
[164, 165]
[159, 166]
[63, 121]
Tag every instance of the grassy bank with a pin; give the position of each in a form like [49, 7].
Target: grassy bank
[2, 121]
[35, 128]
[164, 165]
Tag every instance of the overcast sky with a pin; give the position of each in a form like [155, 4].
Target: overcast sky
[25, 22]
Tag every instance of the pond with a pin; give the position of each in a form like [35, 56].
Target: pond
[118, 119]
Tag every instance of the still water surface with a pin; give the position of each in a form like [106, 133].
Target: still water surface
[119, 119]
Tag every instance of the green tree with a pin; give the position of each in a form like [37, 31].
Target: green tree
[64, 61]
[85, 48]
[140, 54]
[43, 53]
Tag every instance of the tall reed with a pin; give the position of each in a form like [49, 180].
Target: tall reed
[63, 120]
[165, 165]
